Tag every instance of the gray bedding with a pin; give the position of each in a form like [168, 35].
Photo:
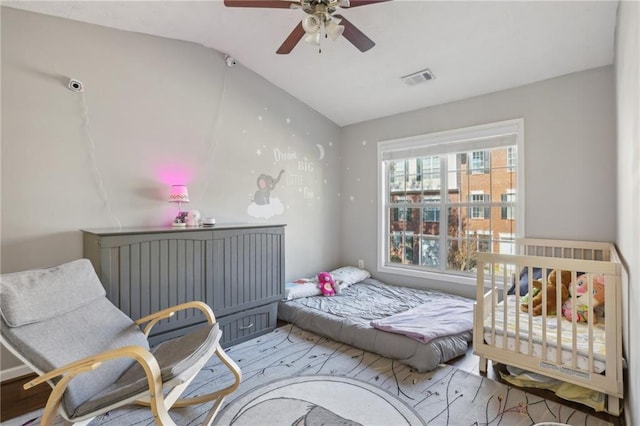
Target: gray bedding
[346, 318]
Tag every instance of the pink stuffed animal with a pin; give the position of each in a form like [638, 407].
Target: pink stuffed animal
[326, 284]
[582, 304]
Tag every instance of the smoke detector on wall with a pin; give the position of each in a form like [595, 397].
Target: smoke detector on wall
[230, 60]
[75, 85]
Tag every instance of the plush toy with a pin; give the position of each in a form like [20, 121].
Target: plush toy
[327, 284]
[580, 288]
[550, 288]
[551, 298]
[565, 280]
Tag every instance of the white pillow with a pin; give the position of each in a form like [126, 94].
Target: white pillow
[303, 287]
[349, 275]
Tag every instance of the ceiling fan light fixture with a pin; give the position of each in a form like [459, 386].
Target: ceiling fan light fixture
[334, 30]
[311, 24]
[313, 38]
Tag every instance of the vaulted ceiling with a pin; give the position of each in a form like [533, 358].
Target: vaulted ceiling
[472, 47]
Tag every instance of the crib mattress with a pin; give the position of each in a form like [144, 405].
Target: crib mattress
[566, 332]
[346, 318]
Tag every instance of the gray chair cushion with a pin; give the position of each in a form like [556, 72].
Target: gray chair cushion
[58, 315]
[89, 330]
[37, 295]
[176, 358]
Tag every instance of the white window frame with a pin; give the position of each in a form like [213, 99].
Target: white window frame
[441, 143]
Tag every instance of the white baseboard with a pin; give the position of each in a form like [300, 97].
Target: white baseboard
[12, 373]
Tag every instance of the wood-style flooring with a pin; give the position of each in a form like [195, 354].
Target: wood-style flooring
[15, 401]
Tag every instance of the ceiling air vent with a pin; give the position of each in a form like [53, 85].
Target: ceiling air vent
[418, 77]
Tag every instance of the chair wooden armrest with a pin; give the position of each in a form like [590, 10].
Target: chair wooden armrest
[69, 371]
[154, 318]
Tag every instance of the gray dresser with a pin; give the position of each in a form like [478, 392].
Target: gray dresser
[236, 269]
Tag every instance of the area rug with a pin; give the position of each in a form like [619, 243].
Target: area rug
[319, 400]
[366, 389]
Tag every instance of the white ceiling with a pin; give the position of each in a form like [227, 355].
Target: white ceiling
[472, 47]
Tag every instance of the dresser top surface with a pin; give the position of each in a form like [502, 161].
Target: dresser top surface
[171, 229]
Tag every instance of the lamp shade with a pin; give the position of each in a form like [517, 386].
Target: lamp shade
[313, 38]
[311, 24]
[179, 194]
[334, 30]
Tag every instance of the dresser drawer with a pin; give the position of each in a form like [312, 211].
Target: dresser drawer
[248, 324]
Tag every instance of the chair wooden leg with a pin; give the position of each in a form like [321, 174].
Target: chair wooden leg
[218, 396]
[160, 412]
[213, 412]
[233, 367]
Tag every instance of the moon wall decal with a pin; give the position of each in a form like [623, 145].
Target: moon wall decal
[321, 149]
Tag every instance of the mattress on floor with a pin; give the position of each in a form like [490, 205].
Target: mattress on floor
[566, 333]
[346, 318]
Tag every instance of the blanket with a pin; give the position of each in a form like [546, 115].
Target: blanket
[431, 320]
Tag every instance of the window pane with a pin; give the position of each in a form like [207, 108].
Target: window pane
[459, 257]
[395, 248]
[430, 252]
[431, 220]
[396, 177]
[431, 173]
[411, 250]
[413, 220]
[457, 222]
[502, 176]
[512, 158]
[395, 223]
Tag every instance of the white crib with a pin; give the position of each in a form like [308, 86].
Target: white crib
[590, 353]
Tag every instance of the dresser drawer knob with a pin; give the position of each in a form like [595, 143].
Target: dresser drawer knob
[246, 327]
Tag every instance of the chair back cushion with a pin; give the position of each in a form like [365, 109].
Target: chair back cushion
[59, 315]
[42, 294]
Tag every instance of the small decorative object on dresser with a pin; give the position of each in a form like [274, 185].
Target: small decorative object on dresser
[193, 218]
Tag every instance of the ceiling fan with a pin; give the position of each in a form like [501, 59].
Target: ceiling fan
[320, 19]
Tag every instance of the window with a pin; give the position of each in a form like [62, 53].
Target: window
[431, 211]
[508, 202]
[481, 212]
[446, 196]
[479, 162]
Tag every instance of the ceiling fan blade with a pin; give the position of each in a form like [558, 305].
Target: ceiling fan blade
[356, 3]
[270, 4]
[291, 41]
[354, 35]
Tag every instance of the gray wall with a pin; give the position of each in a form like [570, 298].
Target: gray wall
[570, 155]
[155, 112]
[627, 62]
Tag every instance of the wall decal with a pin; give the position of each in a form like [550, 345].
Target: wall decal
[266, 184]
[263, 205]
[321, 149]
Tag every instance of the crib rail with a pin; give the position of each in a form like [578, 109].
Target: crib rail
[587, 353]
